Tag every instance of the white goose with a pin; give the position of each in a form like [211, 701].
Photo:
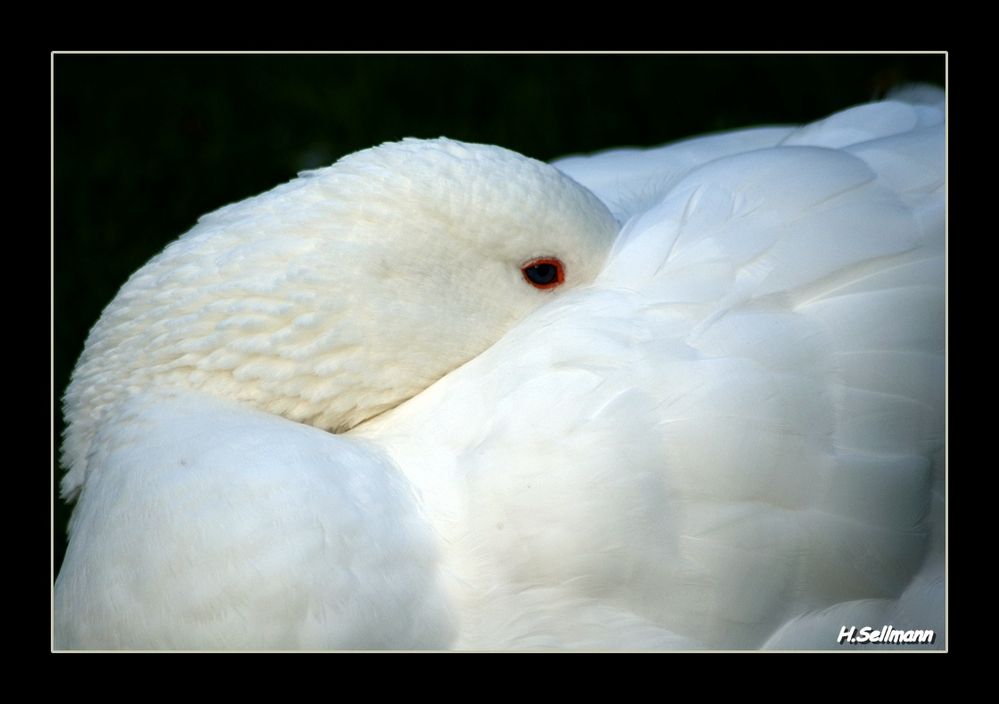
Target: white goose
[725, 433]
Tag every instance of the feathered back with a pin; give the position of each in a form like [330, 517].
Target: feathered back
[736, 426]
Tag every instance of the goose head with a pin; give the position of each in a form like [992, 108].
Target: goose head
[337, 296]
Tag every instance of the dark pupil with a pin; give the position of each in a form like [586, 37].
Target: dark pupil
[542, 273]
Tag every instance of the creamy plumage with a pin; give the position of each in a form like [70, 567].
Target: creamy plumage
[724, 438]
[338, 295]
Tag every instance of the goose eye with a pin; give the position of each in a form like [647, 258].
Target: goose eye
[546, 272]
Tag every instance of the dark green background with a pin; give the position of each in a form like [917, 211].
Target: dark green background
[145, 144]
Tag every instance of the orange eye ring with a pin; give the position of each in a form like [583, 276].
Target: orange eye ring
[544, 272]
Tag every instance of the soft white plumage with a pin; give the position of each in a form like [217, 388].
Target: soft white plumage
[729, 434]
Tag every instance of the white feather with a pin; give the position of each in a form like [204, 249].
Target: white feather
[731, 438]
